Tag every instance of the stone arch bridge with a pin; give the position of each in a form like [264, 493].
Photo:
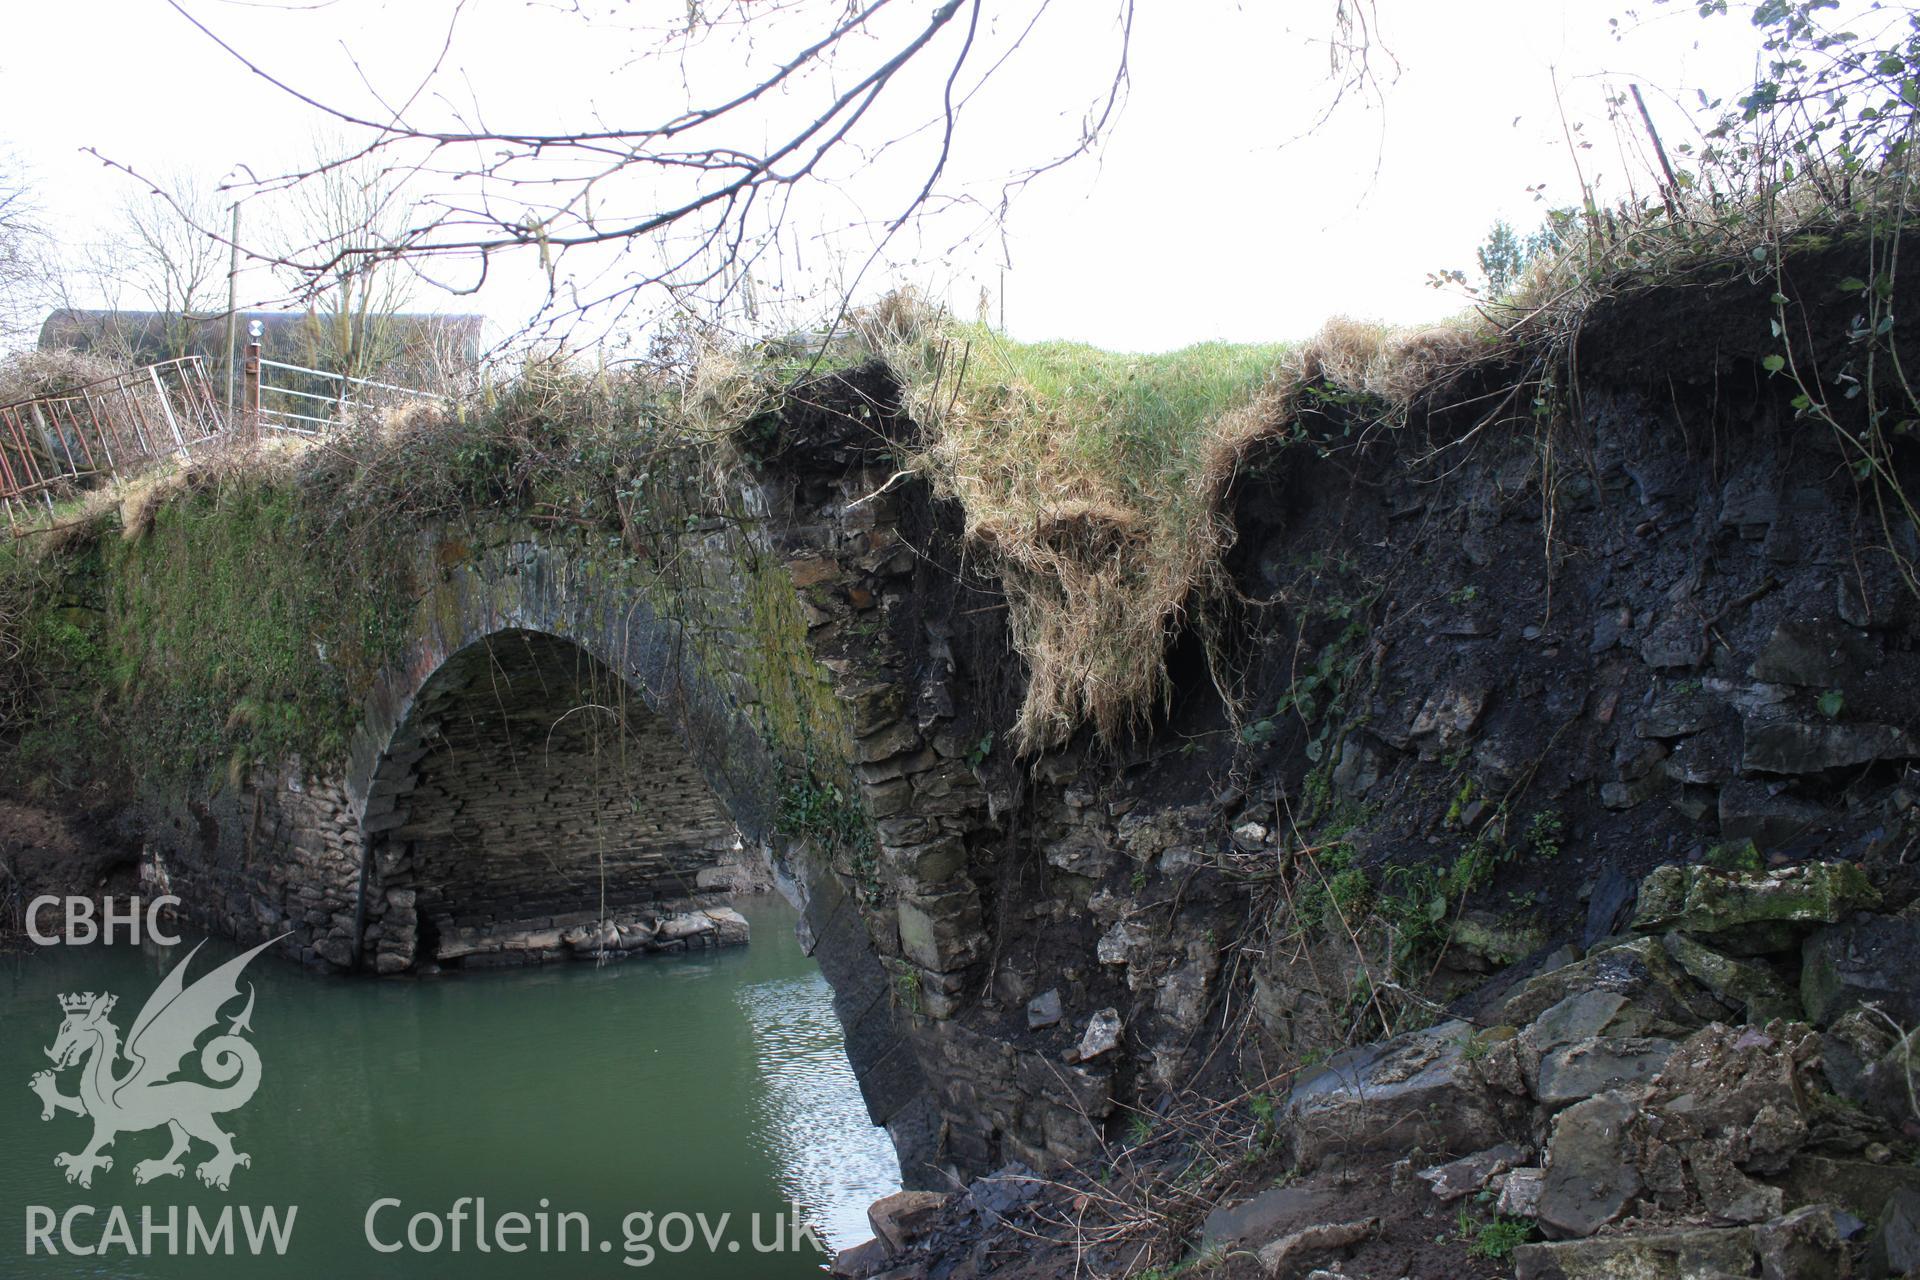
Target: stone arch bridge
[580, 750]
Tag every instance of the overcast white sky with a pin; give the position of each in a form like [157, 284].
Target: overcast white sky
[1197, 220]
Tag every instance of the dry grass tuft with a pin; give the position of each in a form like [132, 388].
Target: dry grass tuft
[722, 389]
[1394, 366]
[140, 498]
[1095, 480]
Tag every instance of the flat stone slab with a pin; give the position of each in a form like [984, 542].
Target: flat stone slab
[1287, 1255]
[904, 1217]
[1413, 1090]
[1582, 1016]
[1591, 1177]
[1681, 1255]
[1776, 744]
[1468, 1174]
[1702, 900]
[1664, 999]
[1587, 1067]
[1267, 1215]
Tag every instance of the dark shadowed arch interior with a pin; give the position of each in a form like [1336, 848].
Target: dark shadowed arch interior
[521, 801]
[544, 812]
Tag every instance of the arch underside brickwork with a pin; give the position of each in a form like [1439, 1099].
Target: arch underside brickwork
[543, 811]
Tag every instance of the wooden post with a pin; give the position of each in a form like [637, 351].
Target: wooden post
[250, 395]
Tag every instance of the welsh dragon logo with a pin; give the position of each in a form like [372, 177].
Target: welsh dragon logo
[145, 1095]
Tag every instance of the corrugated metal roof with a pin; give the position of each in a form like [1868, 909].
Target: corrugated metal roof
[148, 335]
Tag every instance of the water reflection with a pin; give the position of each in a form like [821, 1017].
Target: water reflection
[811, 1121]
[709, 1083]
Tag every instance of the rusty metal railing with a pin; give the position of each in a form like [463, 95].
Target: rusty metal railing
[106, 428]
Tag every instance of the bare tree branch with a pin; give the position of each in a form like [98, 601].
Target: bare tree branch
[719, 172]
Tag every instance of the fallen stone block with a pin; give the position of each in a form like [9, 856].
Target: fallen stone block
[1587, 1067]
[1810, 1241]
[1183, 995]
[1272, 1213]
[1591, 1176]
[1639, 971]
[905, 1217]
[458, 943]
[1102, 1035]
[1778, 744]
[1520, 1193]
[1749, 810]
[690, 925]
[1895, 1247]
[1469, 1174]
[590, 938]
[729, 926]
[1708, 1254]
[1751, 911]
[1858, 1186]
[941, 931]
[1043, 1010]
[1746, 985]
[864, 1260]
[1583, 1016]
[1739, 1089]
[1121, 943]
[1813, 652]
[1730, 1195]
[1293, 1251]
[1413, 1090]
[1448, 716]
[1870, 1066]
[1494, 941]
[1004, 1190]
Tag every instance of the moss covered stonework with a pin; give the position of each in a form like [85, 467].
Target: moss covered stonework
[543, 742]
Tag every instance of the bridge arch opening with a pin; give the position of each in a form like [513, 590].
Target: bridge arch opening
[531, 807]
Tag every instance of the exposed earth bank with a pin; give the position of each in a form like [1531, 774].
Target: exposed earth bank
[1550, 906]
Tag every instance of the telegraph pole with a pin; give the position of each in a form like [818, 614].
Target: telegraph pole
[233, 314]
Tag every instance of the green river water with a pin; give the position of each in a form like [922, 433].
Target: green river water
[708, 1084]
